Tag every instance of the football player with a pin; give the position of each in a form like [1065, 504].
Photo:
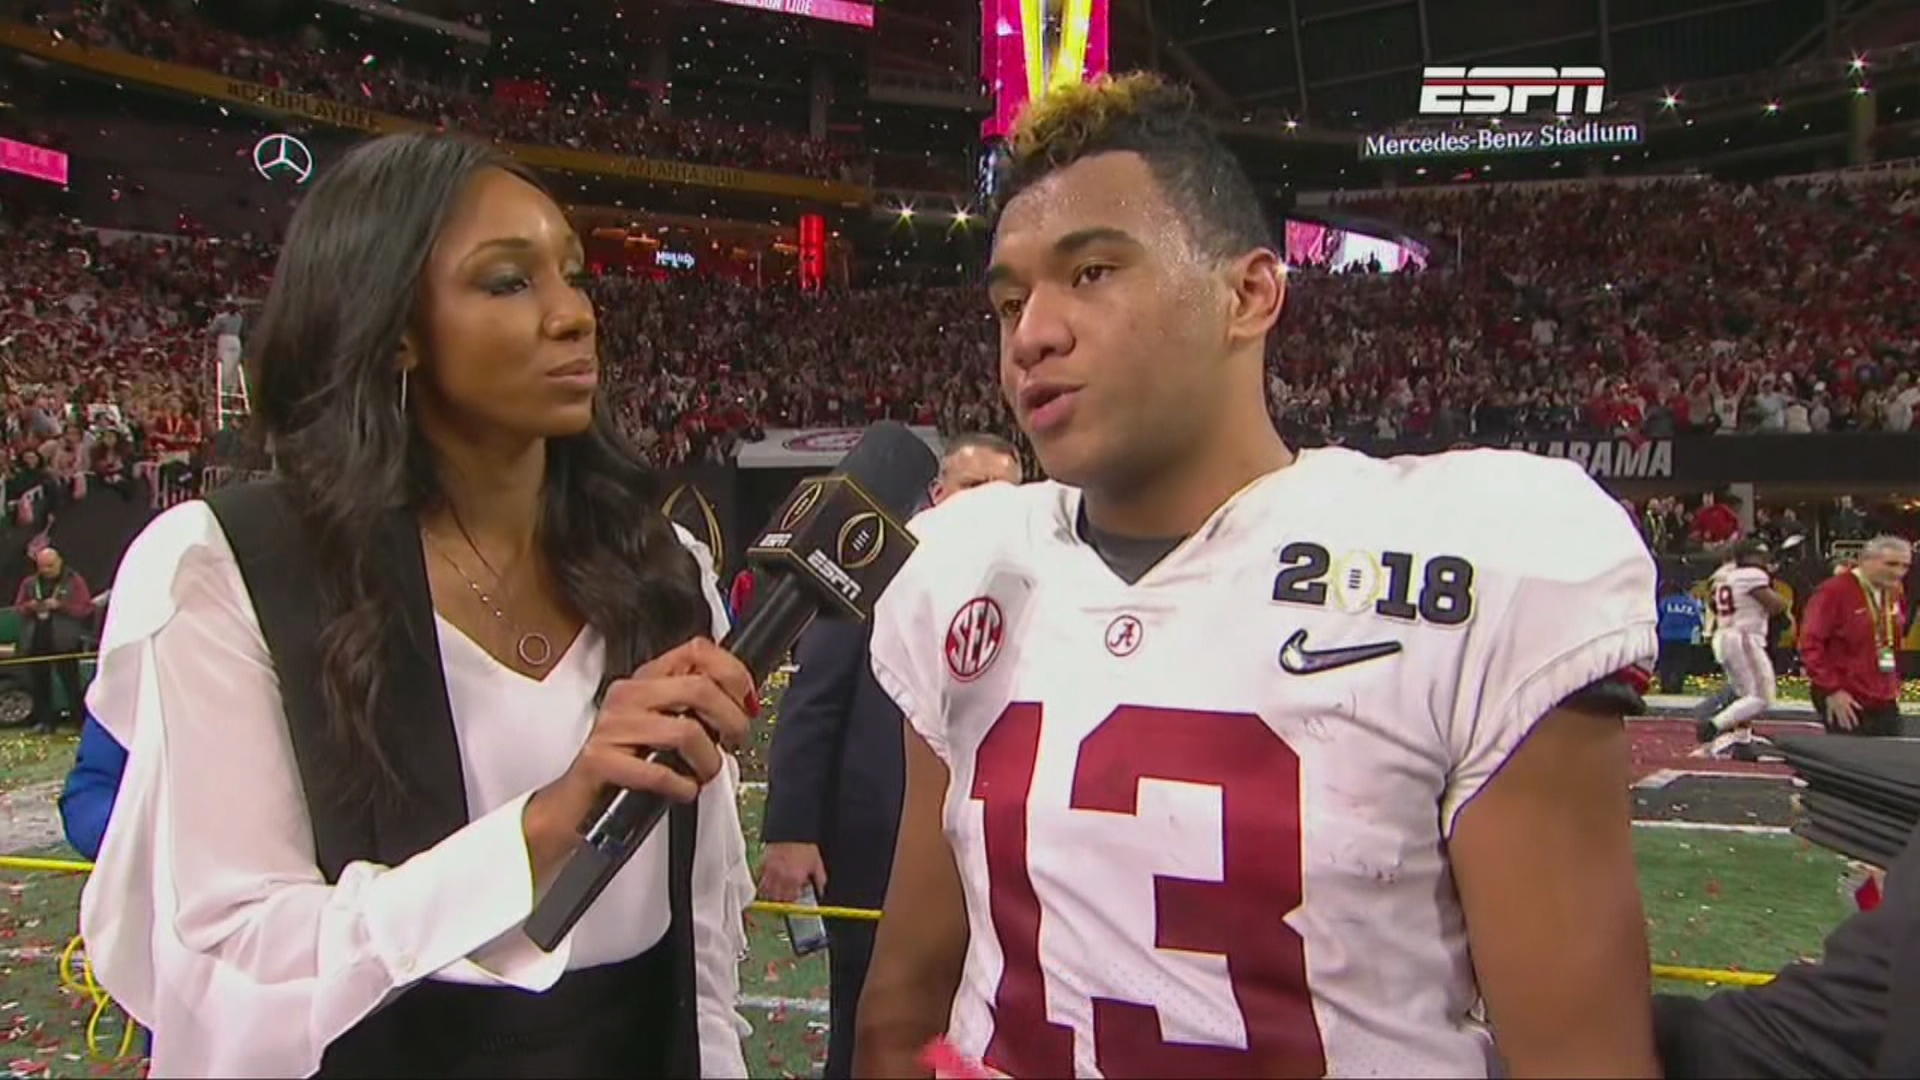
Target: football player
[1226, 760]
[1743, 602]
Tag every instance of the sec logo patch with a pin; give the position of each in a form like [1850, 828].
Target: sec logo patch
[973, 638]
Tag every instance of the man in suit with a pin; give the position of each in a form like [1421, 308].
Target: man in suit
[1846, 1015]
[836, 771]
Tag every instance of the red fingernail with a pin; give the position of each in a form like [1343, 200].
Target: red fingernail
[753, 703]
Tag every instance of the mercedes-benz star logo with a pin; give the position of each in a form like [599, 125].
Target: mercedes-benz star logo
[283, 155]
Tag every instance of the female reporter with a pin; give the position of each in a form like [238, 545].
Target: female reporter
[336, 817]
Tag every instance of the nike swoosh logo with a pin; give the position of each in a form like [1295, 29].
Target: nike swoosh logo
[1297, 659]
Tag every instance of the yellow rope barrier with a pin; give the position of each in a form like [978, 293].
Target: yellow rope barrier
[852, 914]
[48, 659]
[67, 981]
[769, 907]
[57, 866]
[1710, 975]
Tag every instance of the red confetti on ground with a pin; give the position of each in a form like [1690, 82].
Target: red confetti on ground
[1713, 888]
[773, 971]
[1669, 744]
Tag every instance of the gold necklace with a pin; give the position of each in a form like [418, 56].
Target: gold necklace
[532, 647]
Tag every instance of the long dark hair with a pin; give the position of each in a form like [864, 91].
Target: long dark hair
[326, 393]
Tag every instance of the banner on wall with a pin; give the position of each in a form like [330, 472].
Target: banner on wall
[1700, 462]
[812, 448]
[281, 102]
[39, 162]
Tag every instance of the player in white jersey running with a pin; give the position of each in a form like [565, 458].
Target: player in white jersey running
[1227, 761]
[1743, 601]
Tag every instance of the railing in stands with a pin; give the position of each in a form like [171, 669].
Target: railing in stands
[172, 483]
[1891, 169]
[169, 484]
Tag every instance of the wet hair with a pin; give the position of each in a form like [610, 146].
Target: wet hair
[1143, 113]
[325, 379]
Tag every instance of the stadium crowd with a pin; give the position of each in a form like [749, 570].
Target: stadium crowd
[1632, 311]
[388, 84]
[105, 349]
[1671, 308]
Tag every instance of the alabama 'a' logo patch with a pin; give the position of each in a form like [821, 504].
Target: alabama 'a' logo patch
[973, 638]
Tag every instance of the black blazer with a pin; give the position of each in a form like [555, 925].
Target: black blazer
[1852, 1014]
[837, 768]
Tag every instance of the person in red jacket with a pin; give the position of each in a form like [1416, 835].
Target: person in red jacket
[1717, 521]
[1849, 637]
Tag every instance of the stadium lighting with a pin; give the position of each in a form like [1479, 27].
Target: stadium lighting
[1857, 64]
[1772, 107]
[962, 216]
[1862, 90]
[1495, 121]
[1292, 124]
[1670, 100]
[906, 213]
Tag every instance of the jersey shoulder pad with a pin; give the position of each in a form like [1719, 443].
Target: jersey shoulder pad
[991, 517]
[1531, 515]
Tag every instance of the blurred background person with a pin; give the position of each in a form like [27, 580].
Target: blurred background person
[1681, 618]
[57, 608]
[1849, 639]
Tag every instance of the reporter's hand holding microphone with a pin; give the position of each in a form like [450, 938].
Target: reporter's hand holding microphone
[693, 700]
[835, 544]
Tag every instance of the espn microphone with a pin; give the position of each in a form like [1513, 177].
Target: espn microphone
[834, 544]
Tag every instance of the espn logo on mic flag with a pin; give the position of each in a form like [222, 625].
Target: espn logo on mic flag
[1491, 90]
[831, 530]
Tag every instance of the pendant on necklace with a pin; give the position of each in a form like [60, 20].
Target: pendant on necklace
[534, 649]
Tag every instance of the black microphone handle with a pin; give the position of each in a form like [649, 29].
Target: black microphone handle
[611, 836]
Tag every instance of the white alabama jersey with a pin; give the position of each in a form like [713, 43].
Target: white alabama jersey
[1734, 608]
[1201, 819]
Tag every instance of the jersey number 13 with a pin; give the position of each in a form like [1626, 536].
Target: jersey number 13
[1238, 917]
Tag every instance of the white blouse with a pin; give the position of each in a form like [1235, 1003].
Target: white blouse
[207, 916]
